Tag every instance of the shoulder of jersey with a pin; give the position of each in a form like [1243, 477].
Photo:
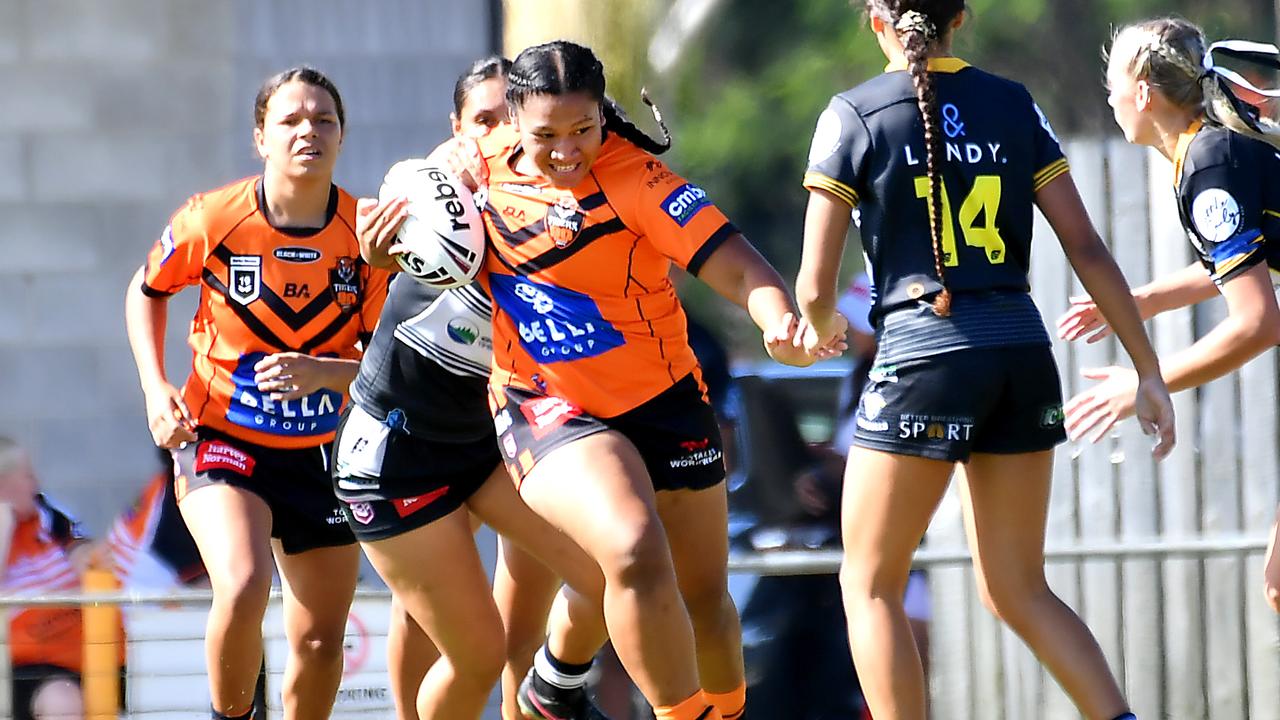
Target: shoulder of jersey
[1213, 145]
[620, 158]
[347, 207]
[227, 204]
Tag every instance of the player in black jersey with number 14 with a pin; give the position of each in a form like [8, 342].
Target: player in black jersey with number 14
[943, 163]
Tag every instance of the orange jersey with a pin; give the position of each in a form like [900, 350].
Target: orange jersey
[583, 305]
[265, 290]
[39, 563]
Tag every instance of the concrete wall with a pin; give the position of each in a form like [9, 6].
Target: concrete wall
[116, 111]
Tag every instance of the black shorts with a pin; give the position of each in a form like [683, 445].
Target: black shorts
[1002, 400]
[391, 482]
[294, 483]
[675, 432]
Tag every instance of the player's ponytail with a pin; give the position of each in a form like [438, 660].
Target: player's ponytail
[919, 24]
[616, 121]
[562, 67]
[1225, 90]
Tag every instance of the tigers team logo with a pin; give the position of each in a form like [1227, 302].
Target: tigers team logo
[246, 278]
[344, 280]
[564, 222]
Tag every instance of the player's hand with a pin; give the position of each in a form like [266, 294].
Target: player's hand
[820, 336]
[377, 222]
[90, 554]
[467, 162]
[1271, 569]
[1083, 320]
[785, 343]
[1154, 409]
[291, 375]
[168, 417]
[1120, 394]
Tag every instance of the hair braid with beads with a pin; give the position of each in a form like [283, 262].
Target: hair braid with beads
[919, 24]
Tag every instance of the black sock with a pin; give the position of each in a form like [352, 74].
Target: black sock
[215, 715]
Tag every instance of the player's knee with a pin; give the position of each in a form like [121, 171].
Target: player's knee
[636, 555]
[479, 661]
[1013, 600]
[863, 581]
[244, 591]
[708, 601]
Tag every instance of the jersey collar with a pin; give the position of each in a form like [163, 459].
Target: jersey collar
[937, 64]
[1180, 152]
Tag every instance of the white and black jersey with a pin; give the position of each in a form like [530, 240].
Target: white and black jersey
[426, 370]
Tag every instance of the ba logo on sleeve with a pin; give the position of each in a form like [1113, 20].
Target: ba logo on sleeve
[246, 278]
[685, 202]
[1216, 215]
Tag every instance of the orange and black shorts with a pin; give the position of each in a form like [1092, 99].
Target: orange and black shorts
[676, 433]
[294, 483]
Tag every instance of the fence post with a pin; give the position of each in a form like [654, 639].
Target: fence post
[100, 679]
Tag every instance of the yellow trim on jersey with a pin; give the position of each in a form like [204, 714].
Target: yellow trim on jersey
[1223, 268]
[937, 64]
[1180, 152]
[819, 181]
[1272, 213]
[1049, 173]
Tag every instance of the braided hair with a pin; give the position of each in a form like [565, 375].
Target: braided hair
[486, 68]
[919, 24]
[562, 67]
[1170, 54]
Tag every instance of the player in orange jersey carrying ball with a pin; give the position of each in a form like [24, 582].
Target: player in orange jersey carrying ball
[598, 401]
[285, 298]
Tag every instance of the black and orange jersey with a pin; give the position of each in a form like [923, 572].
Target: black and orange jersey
[583, 306]
[998, 150]
[1228, 188]
[265, 290]
[150, 544]
[39, 562]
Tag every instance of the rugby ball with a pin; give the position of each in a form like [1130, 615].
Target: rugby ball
[442, 233]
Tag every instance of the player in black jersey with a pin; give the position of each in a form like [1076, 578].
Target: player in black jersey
[1168, 93]
[943, 162]
[417, 449]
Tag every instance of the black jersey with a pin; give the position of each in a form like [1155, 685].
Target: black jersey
[999, 149]
[1229, 199]
[426, 370]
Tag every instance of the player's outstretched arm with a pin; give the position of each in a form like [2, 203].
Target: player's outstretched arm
[1062, 207]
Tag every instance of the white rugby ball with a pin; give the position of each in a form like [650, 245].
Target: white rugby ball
[443, 232]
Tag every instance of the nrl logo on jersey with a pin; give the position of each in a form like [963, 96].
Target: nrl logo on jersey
[245, 280]
[564, 222]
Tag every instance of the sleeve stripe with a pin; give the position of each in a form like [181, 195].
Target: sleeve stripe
[835, 187]
[154, 293]
[1272, 213]
[717, 239]
[1050, 173]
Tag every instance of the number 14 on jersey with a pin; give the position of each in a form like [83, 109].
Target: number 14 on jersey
[984, 200]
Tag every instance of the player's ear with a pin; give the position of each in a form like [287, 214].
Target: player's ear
[1142, 95]
[259, 142]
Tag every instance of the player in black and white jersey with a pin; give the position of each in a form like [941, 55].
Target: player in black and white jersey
[944, 162]
[1168, 92]
[417, 450]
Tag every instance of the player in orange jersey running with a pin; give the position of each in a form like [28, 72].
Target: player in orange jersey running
[284, 301]
[598, 401]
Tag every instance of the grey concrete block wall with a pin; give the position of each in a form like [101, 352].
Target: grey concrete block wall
[116, 111]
